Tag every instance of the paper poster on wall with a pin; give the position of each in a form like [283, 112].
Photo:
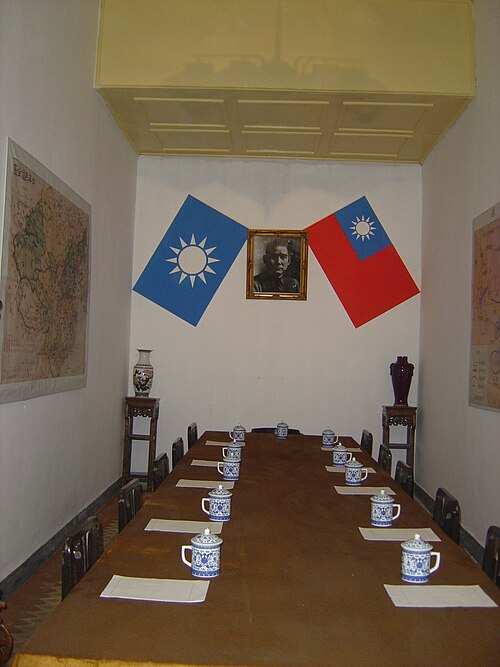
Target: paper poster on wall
[44, 282]
[191, 260]
[360, 262]
[484, 368]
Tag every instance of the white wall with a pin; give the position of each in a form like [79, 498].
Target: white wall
[458, 445]
[258, 362]
[58, 453]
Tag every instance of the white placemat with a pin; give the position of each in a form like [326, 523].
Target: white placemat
[398, 534]
[176, 526]
[363, 490]
[205, 464]
[342, 469]
[156, 590]
[349, 449]
[203, 484]
[416, 595]
[214, 443]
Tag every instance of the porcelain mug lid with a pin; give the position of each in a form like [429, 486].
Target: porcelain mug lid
[282, 424]
[339, 447]
[328, 431]
[220, 492]
[382, 497]
[206, 538]
[353, 463]
[416, 544]
[239, 428]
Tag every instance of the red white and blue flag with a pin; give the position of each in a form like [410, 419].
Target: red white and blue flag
[360, 262]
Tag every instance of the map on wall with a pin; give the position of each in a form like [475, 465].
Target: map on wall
[484, 373]
[44, 289]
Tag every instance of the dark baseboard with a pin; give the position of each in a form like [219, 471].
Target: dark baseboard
[22, 573]
[467, 542]
[424, 498]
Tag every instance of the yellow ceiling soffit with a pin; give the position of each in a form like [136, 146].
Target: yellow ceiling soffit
[376, 80]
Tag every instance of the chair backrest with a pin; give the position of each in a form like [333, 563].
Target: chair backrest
[385, 458]
[6, 640]
[80, 552]
[192, 434]
[447, 514]
[366, 443]
[129, 502]
[272, 429]
[177, 451]
[404, 477]
[161, 469]
[491, 557]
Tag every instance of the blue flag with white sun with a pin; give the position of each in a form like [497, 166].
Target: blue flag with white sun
[191, 260]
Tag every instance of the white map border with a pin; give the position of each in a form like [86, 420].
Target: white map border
[20, 391]
[479, 399]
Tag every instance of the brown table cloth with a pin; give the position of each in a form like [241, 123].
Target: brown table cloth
[298, 585]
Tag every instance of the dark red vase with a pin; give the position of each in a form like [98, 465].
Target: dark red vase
[401, 373]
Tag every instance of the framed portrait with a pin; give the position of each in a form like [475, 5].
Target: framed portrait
[277, 264]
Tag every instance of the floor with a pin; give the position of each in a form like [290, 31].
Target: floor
[35, 599]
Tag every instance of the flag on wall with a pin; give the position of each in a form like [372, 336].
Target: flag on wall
[360, 262]
[191, 260]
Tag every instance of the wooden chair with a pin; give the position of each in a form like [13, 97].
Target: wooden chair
[491, 557]
[6, 640]
[192, 434]
[177, 451]
[366, 443]
[385, 458]
[404, 477]
[80, 552]
[161, 469]
[129, 502]
[272, 429]
[447, 514]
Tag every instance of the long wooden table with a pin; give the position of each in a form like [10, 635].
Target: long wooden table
[299, 585]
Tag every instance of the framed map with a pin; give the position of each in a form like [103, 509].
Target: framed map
[44, 290]
[484, 371]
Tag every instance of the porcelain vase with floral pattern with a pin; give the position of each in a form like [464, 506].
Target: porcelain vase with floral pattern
[142, 376]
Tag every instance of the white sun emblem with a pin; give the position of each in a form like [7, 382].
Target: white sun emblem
[363, 229]
[192, 260]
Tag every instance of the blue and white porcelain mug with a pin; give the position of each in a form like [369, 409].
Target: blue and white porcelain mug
[238, 433]
[229, 469]
[232, 451]
[355, 473]
[382, 513]
[282, 431]
[205, 555]
[219, 504]
[416, 561]
[340, 455]
[328, 438]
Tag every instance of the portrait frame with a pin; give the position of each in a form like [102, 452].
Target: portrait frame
[261, 281]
